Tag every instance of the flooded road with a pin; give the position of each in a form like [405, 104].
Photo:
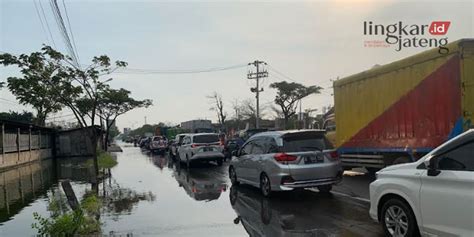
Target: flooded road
[150, 195]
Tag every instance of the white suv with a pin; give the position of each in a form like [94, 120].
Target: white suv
[203, 147]
[432, 197]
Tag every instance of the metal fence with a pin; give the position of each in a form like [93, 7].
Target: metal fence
[15, 140]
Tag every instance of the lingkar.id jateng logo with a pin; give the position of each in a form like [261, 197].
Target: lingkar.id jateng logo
[403, 35]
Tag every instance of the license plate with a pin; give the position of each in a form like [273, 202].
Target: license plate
[204, 149]
[313, 159]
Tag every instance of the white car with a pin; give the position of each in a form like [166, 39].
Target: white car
[432, 197]
[201, 147]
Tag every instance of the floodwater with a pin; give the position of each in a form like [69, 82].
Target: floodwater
[150, 195]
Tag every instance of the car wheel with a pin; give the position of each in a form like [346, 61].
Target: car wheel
[265, 185]
[398, 219]
[233, 176]
[220, 162]
[233, 195]
[325, 188]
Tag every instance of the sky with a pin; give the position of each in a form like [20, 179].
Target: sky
[310, 42]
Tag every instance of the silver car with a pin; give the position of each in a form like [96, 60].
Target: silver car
[287, 160]
[201, 147]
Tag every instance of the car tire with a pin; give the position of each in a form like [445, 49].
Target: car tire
[233, 176]
[188, 162]
[325, 188]
[265, 185]
[220, 162]
[398, 219]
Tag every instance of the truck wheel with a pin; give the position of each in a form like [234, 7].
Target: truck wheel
[401, 160]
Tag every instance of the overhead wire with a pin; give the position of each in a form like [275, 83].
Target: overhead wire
[186, 71]
[71, 31]
[47, 24]
[41, 21]
[64, 32]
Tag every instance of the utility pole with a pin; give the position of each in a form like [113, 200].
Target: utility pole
[257, 75]
[145, 120]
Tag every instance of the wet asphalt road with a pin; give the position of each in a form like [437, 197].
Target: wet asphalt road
[151, 195]
[201, 202]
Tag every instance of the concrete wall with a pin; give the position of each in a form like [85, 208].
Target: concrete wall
[74, 143]
[22, 157]
[21, 185]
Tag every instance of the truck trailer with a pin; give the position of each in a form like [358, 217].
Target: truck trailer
[398, 112]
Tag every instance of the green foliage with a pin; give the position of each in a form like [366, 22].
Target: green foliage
[70, 223]
[288, 94]
[51, 81]
[104, 159]
[25, 117]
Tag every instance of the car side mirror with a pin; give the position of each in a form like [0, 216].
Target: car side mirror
[432, 166]
[235, 153]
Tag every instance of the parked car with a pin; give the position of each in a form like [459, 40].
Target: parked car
[230, 146]
[201, 147]
[144, 142]
[432, 197]
[285, 160]
[173, 150]
[158, 144]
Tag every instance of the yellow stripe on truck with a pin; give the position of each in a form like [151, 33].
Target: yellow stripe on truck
[361, 98]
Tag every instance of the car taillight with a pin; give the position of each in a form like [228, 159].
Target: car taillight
[283, 157]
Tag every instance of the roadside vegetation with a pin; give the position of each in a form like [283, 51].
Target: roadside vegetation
[66, 222]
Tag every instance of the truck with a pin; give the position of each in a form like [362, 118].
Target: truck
[197, 125]
[398, 112]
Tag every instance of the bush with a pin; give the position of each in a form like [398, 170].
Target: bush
[71, 223]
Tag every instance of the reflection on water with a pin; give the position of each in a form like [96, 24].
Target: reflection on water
[21, 186]
[118, 200]
[201, 184]
[295, 214]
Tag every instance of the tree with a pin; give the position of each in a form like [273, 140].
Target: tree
[33, 87]
[113, 103]
[288, 94]
[73, 87]
[25, 116]
[218, 106]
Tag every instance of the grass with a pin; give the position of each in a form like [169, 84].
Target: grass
[104, 160]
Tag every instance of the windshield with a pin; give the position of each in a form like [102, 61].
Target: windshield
[209, 138]
[306, 142]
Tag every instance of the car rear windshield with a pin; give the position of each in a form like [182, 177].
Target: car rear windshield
[306, 142]
[206, 138]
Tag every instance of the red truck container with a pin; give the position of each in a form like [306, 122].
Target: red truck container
[400, 111]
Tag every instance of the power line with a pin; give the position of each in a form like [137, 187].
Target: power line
[185, 71]
[47, 24]
[63, 30]
[41, 21]
[70, 30]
